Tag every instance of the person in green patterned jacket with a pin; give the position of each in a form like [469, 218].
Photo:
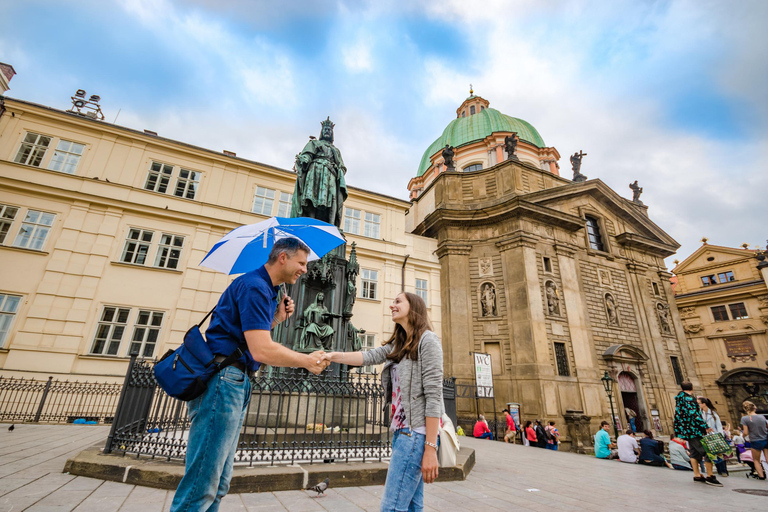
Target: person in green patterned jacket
[690, 426]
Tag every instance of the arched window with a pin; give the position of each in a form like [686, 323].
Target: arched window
[593, 233]
[464, 114]
[482, 108]
[471, 110]
[473, 167]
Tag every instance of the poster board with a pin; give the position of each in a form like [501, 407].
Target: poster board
[483, 374]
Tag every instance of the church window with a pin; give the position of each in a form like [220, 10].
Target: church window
[547, 264]
[594, 235]
[473, 167]
[471, 110]
[656, 288]
[561, 357]
[676, 369]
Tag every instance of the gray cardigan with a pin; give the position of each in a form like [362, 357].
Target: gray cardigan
[421, 381]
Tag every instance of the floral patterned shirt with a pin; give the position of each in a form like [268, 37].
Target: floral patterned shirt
[398, 411]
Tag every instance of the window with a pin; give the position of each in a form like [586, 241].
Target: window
[473, 167]
[66, 157]
[676, 370]
[738, 311]
[158, 177]
[561, 358]
[421, 289]
[372, 225]
[367, 342]
[722, 277]
[169, 251]
[593, 233]
[471, 110]
[145, 333]
[284, 204]
[32, 149]
[186, 185]
[110, 330]
[370, 280]
[726, 277]
[137, 246]
[352, 221]
[263, 201]
[34, 230]
[719, 313]
[9, 304]
[547, 264]
[655, 288]
[7, 214]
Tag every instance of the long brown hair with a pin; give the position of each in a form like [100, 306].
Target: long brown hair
[417, 318]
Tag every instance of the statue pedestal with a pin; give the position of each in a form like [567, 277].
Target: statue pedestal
[297, 410]
[578, 431]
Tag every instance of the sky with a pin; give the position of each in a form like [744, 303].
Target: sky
[673, 94]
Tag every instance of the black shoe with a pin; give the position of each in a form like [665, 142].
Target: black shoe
[700, 479]
[712, 480]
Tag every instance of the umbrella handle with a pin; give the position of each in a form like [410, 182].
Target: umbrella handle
[266, 232]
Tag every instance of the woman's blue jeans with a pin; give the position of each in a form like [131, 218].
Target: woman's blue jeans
[217, 417]
[404, 488]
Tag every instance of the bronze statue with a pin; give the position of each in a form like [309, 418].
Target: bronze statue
[448, 153]
[636, 191]
[320, 189]
[510, 144]
[317, 333]
[576, 165]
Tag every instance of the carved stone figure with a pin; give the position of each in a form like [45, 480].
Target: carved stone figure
[488, 300]
[448, 153]
[692, 328]
[636, 191]
[353, 337]
[610, 310]
[317, 333]
[576, 165]
[553, 298]
[352, 270]
[688, 312]
[663, 311]
[485, 267]
[510, 144]
[320, 189]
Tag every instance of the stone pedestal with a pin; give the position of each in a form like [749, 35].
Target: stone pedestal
[578, 431]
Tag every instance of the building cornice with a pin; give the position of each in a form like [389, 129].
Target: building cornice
[453, 249]
[724, 289]
[516, 240]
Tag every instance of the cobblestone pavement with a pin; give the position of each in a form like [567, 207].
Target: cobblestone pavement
[506, 477]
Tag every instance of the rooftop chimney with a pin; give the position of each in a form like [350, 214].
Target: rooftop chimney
[6, 73]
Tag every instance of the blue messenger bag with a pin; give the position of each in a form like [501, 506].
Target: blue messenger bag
[184, 373]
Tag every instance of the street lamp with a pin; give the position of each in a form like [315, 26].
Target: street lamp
[608, 385]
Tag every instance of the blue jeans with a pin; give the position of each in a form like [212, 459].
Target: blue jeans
[404, 488]
[486, 435]
[552, 446]
[217, 417]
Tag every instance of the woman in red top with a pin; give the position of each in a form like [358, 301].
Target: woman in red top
[530, 434]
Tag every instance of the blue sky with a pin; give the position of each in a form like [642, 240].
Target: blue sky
[672, 93]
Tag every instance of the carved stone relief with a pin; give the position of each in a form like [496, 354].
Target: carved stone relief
[662, 310]
[604, 276]
[553, 298]
[611, 311]
[764, 318]
[688, 312]
[488, 300]
[763, 301]
[485, 266]
[693, 328]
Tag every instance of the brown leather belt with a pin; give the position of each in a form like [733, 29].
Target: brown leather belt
[237, 364]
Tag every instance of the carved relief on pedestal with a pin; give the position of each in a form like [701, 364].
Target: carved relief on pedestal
[485, 266]
[488, 307]
[687, 312]
[553, 298]
[665, 324]
[604, 277]
[611, 310]
[763, 299]
[693, 328]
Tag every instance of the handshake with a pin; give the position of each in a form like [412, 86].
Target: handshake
[318, 361]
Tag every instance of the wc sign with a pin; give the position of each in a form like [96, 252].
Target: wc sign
[483, 375]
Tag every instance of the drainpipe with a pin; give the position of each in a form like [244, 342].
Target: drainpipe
[402, 275]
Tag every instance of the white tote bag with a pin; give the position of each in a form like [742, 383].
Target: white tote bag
[448, 450]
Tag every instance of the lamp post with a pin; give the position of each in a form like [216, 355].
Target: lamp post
[608, 385]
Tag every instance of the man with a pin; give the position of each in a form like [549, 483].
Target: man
[246, 312]
[604, 448]
[481, 430]
[689, 425]
[511, 432]
[628, 448]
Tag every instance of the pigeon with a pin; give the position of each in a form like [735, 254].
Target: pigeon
[10, 429]
[320, 488]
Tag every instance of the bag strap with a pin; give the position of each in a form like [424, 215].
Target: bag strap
[206, 317]
[230, 359]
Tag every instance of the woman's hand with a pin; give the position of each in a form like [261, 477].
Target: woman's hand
[429, 465]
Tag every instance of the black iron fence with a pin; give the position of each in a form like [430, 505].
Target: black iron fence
[292, 417]
[54, 401]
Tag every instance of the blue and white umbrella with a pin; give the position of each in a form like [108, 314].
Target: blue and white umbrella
[247, 248]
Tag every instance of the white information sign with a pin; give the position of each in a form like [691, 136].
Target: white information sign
[483, 375]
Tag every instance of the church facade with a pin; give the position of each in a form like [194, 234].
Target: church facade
[560, 281]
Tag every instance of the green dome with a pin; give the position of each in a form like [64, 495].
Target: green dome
[465, 130]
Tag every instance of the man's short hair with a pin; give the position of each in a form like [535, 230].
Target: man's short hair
[686, 386]
[630, 432]
[603, 423]
[288, 245]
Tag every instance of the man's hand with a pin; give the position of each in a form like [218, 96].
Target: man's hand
[429, 464]
[284, 310]
[709, 430]
[317, 362]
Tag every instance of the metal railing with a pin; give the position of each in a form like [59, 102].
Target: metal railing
[293, 416]
[54, 401]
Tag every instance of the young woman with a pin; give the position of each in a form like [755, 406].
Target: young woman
[530, 433]
[413, 376]
[755, 427]
[651, 451]
[710, 416]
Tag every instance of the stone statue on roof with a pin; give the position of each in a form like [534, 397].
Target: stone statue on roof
[576, 165]
[510, 144]
[447, 154]
[636, 191]
[320, 189]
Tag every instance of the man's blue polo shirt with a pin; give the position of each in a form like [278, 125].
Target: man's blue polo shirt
[249, 303]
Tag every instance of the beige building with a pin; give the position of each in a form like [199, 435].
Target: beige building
[722, 295]
[559, 281]
[102, 229]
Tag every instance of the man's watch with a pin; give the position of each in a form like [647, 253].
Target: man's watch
[433, 445]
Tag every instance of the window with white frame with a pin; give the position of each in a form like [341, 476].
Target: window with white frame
[158, 177]
[9, 305]
[7, 215]
[352, 221]
[284, 204]
[372, 225]
[370, 281]
[263, 201]
[367, 342]
[145, 333]
[421, 289]
[32, 149]
[34, 230]
[67, 156]
[186, 184]
[109, 331]
[169, 251]
[137, 246]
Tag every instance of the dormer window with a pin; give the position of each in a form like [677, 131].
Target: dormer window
[471, 110]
